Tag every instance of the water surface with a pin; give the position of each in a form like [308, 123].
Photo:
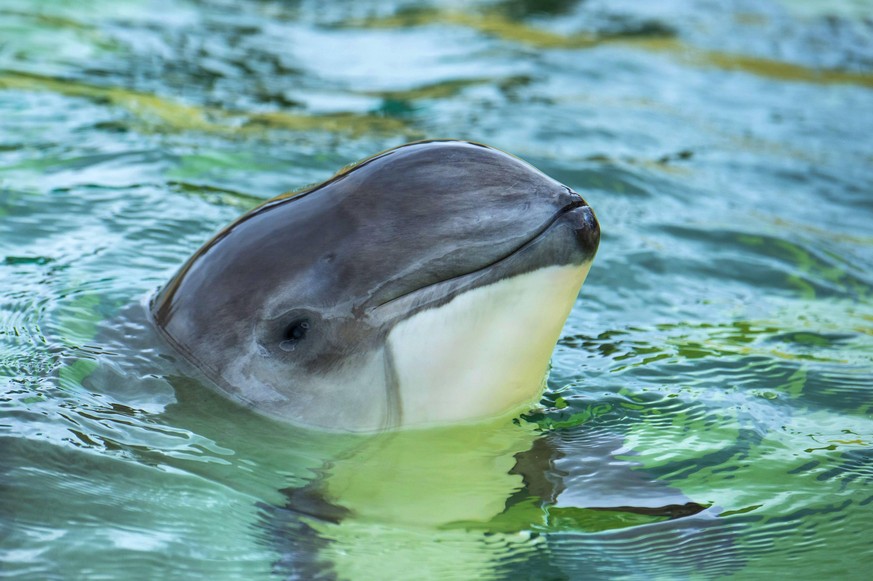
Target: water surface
[720, 354]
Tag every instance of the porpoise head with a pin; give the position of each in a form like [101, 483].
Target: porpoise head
[428, 284]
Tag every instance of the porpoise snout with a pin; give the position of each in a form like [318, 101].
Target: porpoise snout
[589, 223]
[585, 226]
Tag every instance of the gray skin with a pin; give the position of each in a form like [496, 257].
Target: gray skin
[287, 309]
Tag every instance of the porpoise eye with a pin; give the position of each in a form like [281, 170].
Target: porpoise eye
[294, 334]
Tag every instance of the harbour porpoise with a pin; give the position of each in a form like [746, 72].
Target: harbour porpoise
[423, 286]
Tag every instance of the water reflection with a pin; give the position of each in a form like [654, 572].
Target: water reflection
[517, 9]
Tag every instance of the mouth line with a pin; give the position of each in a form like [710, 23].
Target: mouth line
[575, 204]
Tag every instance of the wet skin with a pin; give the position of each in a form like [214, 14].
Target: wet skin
[321, 307]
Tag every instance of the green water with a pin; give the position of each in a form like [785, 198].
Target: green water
[721, 351]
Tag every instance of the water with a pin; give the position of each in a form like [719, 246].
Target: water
[721, 352]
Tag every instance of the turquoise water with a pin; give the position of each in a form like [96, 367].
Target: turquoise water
[720, 353]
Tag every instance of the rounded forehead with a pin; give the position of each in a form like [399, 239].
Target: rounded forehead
[435, 166]
[400, 220]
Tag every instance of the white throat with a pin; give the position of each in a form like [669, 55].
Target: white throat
[484, 353]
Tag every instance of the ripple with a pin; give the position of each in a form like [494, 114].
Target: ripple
[765, 261]
[695, 546]
[140, 526]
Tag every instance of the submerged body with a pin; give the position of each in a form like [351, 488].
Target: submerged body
[425, 285]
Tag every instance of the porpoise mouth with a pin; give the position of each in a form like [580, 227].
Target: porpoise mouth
[589, 227]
